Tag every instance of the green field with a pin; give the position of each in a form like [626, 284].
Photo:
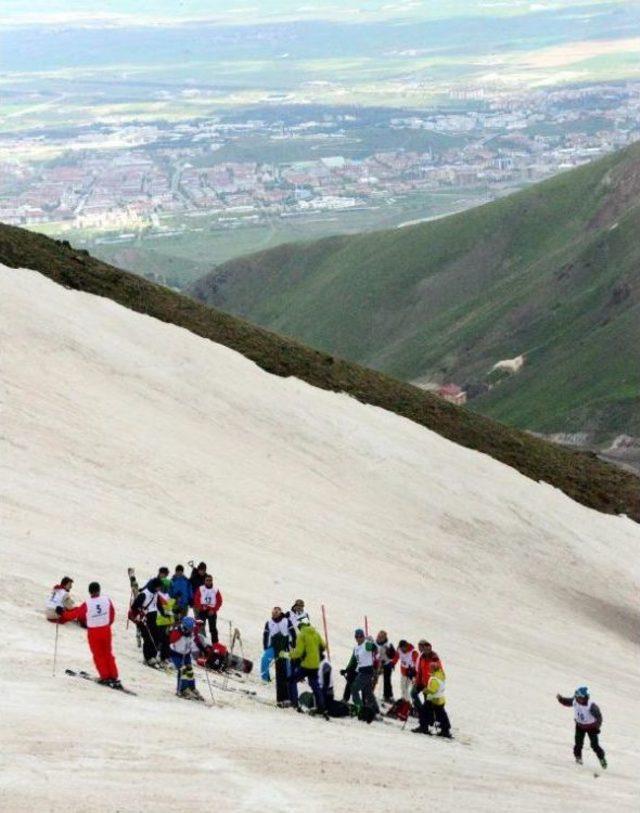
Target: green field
[179, 259]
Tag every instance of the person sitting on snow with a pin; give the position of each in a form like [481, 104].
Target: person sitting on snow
[60, 599]
[588, 719]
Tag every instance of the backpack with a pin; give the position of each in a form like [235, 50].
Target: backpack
[337, 708]
[400, 710]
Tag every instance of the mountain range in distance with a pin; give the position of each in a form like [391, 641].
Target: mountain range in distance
[527, 307]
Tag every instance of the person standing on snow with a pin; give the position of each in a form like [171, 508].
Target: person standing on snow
[407, 655]
[325, 679]
[144, 612]
[387, 659]
[184, 643]
[308, 654]
[362, 687]
[588, 719]
[60, 599]
[276, 637]
[423, 664]
[98, 614]
[198, 575]
[182, 591]
[207, 601]
[296, 614]
[432, 710]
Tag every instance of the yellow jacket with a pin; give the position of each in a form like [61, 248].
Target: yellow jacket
[434, 690]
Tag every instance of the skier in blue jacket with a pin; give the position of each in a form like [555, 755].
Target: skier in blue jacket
[182, 591]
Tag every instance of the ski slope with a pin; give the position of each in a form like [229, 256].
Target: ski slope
[126, 441]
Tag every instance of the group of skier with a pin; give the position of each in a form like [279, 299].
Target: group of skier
[300, 653]
[176, 619]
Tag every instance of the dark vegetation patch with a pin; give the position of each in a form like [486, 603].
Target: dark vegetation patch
[580, 475]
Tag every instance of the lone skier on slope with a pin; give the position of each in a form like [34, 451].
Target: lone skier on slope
[98, 614]
[588, 719]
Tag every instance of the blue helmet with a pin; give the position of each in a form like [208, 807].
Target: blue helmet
[187, 625]
[581, 691]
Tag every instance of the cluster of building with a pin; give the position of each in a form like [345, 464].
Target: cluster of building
[125, 179]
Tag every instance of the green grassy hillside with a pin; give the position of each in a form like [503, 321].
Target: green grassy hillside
[552, 272]
[581, 476]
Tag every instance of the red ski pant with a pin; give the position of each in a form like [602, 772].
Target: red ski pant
[100, 646]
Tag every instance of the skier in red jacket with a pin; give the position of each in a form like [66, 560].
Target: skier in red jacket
[98, 613]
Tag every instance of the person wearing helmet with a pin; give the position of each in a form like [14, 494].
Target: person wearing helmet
[184, 642]
[588, 720]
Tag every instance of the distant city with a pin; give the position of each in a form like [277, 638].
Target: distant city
[116, 183]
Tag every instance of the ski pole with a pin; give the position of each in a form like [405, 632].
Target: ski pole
[206, 674]
[366, 626]
[55, 648]
[326, 632]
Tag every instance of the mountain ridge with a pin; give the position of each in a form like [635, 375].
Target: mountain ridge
[551, 272]
[580, 475]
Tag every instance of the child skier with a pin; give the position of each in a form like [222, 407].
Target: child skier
[183, 643]
[588, 719]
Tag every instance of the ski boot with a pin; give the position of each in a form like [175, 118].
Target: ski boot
[579, 760]
[421, 730]
[603, 762]
[195, 695]
[446, 734]
[115, 684]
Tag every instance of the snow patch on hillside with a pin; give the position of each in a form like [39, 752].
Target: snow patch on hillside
[127, 441]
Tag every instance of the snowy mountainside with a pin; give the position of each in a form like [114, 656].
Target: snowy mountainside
[127, 441]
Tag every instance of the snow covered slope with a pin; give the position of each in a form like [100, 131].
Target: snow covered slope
[126, 441]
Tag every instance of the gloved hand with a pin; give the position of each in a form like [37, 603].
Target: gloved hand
[284, 655]
[59, 610]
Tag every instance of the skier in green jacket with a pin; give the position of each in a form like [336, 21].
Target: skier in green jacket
[308, 651]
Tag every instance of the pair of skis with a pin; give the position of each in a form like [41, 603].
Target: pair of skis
[86, 676]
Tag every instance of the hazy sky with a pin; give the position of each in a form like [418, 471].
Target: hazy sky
[237, 11]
